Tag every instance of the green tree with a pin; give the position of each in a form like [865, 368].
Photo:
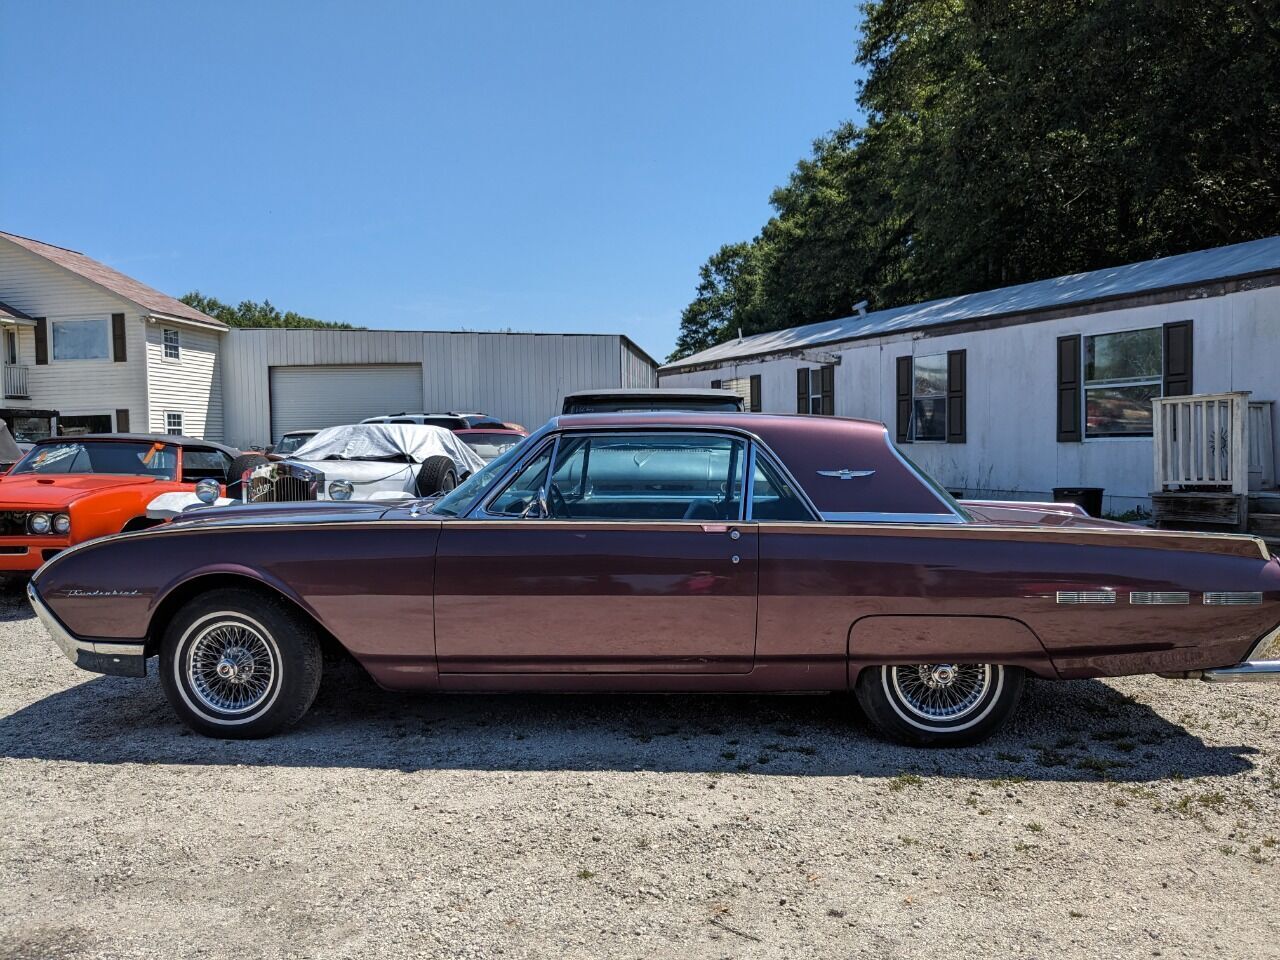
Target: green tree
[249, 313]
[1009, 141]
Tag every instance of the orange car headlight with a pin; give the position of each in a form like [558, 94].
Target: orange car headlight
[62, 524]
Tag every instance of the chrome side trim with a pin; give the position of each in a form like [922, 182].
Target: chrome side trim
[1234, 598]
[927, 518]
[126, 658]
[1153, 597]
[1086, 596]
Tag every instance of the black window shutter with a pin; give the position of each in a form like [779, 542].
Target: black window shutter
[828, 389]
[122, 421]
[1069, 398]
[42, 340]
[802, 390]
[955, 396]
[716, 384]
[904, 399]
[117, 338]
[1177, 359]
[756, 404]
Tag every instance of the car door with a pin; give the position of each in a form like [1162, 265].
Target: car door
[605, 552]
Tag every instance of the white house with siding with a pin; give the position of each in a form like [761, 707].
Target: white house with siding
[1013, 392]
[105, 351]
[110, 353]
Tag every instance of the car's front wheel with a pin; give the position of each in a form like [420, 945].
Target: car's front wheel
[239, 664]
[939, 704]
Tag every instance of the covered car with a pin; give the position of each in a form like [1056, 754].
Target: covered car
[367, 461]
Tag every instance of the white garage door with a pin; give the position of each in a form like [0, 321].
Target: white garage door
[307, 398]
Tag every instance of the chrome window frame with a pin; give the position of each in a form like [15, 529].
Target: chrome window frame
[760, 451]
[480, 511]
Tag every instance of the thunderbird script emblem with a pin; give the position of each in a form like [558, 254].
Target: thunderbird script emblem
[845, 474]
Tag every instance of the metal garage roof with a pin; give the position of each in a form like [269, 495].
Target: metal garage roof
[1187, 269]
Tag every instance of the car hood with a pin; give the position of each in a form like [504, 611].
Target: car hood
[45, 492]
[266, 514]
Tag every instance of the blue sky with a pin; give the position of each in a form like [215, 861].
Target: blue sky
[534, 166]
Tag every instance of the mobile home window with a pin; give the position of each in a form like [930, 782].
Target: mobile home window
[172, 345]
[82, 339]
[173, 422]
[929, 397]
[1123, 373]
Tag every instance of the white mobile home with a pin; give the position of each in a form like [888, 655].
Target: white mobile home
[1013, 392]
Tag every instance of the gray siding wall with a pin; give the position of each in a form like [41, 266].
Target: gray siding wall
[637, 370]
[1012, 447]
[514, 376]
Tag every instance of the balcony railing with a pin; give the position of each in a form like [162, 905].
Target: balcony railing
[1213, 441]
[15, 382]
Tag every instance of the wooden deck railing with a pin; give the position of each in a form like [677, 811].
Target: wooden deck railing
[1202, 441]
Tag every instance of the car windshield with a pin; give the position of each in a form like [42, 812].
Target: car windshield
[137, 459]
[460, 500]
[291, 442]
[490, 445]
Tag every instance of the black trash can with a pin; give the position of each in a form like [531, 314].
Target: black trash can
[1088, 497]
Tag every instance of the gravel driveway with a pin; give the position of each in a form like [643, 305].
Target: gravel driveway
[1123, 819]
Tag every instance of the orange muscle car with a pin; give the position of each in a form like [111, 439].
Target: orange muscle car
[67, 490]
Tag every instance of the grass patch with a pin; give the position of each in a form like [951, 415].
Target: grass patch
[904, 780]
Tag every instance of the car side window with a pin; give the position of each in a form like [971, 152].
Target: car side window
[654, 477]
[200, 464]
[772, 497]
[523, 490]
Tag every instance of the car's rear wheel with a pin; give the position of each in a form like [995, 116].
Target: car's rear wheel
[436, 475]
[939, 704]
[239, 664]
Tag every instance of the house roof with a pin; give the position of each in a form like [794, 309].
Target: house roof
[114, 281]
[1187, 269]
[13, 313]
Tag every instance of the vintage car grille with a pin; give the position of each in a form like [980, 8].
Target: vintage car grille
[13, 523]
[284, 483]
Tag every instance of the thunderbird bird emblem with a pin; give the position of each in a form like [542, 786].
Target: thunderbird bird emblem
[845, 474]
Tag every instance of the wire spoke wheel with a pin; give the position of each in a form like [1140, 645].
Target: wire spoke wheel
[230, 667]
[942, 692]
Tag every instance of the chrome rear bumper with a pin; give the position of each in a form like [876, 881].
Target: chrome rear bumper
[127, 659]
[1262, 665]
[1251, 671]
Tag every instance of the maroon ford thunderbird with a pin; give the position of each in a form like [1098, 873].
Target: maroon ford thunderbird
[667, 552]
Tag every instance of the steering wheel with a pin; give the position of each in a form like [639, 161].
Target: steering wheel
[556, 501]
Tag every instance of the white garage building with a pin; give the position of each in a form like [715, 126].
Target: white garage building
[278, 380]
[1016, 391]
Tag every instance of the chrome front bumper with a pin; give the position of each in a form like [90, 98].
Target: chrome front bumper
[121, 659]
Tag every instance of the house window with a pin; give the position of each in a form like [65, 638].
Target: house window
[10, 347]
[173, 422]
[1123, 373]
[82, 339]
[172, 345]
[78, 425]
[929, 398]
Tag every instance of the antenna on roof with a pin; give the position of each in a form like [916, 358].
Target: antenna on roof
[860, 308]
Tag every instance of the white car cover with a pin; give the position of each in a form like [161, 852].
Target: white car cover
[364, 455]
